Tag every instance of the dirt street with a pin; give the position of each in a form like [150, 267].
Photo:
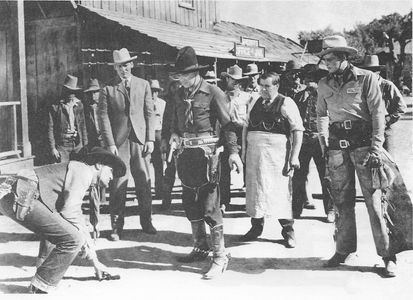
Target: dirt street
[264, 268]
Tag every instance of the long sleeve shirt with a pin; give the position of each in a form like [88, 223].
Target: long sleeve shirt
[393, 100]
[357, 98]
[209, 105]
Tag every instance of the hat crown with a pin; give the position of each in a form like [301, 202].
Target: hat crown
[155, 84]
[252, 68]
[235, 71]
[210, 74]
[71, 82]
[371, 61]
[186, 58]
[292, 65]
[122, 56]
[334, 41]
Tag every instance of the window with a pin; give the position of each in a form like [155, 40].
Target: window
[187, 4]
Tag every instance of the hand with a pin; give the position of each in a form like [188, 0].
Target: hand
[372, 160]
[175, 138]
[56, 154]
[294, 163]
[148, 148]
[114, 150]
[235, 161]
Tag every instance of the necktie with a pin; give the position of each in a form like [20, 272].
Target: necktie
[127, 86]
[189, 118]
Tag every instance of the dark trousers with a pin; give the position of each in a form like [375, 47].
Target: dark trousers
[158, 163]
[199, 198]
[138, 165]
[310, 149]
[169, 178]
[66, 150]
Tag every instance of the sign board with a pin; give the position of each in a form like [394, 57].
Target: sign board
[248, 51]
[250, 42]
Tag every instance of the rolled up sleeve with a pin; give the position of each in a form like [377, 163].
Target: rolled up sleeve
[290, 111]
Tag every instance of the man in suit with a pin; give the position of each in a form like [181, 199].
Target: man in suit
[126, 119]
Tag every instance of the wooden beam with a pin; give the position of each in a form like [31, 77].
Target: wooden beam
[27, 149]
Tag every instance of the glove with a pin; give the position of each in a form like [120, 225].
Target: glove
[372, 160]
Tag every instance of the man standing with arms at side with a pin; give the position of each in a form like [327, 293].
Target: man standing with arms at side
[126, 120]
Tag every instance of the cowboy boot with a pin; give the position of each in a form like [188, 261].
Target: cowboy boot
[117, 227]
[220, 257]
[255, 231]
[201, 249]
[288, 232]
[390, 267]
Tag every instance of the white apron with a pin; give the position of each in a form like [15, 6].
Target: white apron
[268, 192]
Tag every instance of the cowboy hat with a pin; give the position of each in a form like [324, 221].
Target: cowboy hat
[155, 85]
[252, 69]
[71, 83]
[122, 56]
[186, 61]
[93, 86]
[293, 66]
[234, 72]
[371, 62]
[336, 43]
[92, 155]
[210, 76]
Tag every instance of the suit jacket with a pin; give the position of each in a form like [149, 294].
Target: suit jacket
[118, 113]
[57, 124]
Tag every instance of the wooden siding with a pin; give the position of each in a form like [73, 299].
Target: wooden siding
[202, 15]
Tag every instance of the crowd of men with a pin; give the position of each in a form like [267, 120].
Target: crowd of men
[267, 124]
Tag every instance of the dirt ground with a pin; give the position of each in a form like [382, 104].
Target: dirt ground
[264, 268]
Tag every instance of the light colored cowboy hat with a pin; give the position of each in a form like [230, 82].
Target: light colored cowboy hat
[210, 76]
[186, 61]
[371, 62]
[93, 86]
[155, 85]
[122, 56]
[252, 69]
[336, 43]
[71, 83]
[234, 72]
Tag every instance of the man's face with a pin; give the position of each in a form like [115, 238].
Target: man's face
[268, 90]
[231, 84]
[124, 70]
[254, 80]
[186, 80]
[155, 94]
[68, 95]
[95, 96]
[105, 176]
[332, 62]
[293, 78]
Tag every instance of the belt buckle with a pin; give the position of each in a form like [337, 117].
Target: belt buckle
[343, 144]
[347, 124]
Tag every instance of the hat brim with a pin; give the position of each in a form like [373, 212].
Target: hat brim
[125, 61]
[349, 50]
[251, 73]
[293, 71]
[72, 89]
[212, 80]
[92, 89]
[373, 68]
[189, 70]
[157, 89]
[225, 74]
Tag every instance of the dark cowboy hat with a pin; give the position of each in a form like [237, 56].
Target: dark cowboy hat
[71, 83]
[92, 155]
[371, 62]
[314, 71]
[93, 86]
[186, 61]
[292, 66]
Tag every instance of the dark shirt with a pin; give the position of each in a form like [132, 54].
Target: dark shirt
[307, 102]
[209, 105]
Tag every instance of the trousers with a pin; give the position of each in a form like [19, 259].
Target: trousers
[200, 198]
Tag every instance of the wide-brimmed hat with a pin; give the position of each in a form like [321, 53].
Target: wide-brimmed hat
[210, 76]
[186, 61]
[155, 85]
[293, 66]
[315, 71]
[122, 56]
[71, 83]
[234, 72]
[371, 62]
[252, 69]
[336, 43]
[93, 86]
[92, 155]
